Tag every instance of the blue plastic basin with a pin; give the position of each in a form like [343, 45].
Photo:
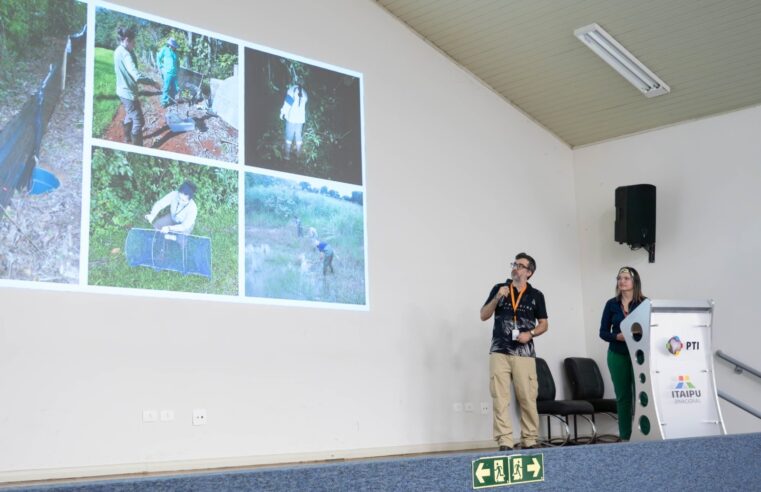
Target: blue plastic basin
[179, 125]
[43, 182]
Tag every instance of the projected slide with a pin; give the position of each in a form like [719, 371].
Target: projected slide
[122, 170]
[304, 240]
[41, 139]
[165, 88]
[184, 202]
[302, 119]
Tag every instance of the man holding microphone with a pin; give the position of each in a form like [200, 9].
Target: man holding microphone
[520, 315]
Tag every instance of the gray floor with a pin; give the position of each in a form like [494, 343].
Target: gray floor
[715, 463]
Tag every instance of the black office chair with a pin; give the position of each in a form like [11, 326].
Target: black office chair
[546, 404]
[587, 384]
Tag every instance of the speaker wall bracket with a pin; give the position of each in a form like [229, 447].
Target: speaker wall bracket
[650, 252]
[650, 248]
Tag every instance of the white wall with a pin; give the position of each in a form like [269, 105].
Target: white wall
[457, 183]
[707, 175]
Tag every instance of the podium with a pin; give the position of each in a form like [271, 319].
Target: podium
[675, 388]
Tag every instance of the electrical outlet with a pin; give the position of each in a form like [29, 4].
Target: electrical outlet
[167, 415]
[457, 407]
[484, 408]
[150, 416]
[199, 416]
[469, 407]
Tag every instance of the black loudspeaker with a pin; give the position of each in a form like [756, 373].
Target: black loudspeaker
[635, 215]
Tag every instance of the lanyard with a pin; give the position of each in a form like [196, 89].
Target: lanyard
[177, 212]
[516, 303]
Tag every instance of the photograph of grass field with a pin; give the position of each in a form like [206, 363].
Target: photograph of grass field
[304, 241]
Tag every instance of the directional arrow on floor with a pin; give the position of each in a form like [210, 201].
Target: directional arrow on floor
[535, 467]
[482, 472]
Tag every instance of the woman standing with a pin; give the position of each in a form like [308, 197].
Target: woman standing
[294, 113]
[628, 297]
[169, 65]
[127, 79]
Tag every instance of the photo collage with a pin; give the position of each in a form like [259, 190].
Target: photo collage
[159, 159]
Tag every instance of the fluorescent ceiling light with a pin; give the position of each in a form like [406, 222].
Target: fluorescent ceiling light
[621, 60]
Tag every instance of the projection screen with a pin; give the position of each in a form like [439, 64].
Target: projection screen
[141, 156]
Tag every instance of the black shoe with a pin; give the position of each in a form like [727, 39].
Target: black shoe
[505, 448]
[533, 446]
[127, 127]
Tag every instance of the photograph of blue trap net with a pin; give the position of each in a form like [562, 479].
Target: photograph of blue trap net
[185, 254]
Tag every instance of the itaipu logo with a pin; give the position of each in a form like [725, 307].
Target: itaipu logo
[684, 391]
[675, 345]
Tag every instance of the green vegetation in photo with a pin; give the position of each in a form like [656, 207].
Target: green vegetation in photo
[204, 55]
[283, 220]
[105, 102]
[331, 132]
[325, 134]
[26, 26]
[124, 188]
[209, 56]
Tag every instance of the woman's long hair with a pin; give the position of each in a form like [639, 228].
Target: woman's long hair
[637, 294]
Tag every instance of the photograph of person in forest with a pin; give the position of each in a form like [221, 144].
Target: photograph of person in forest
[182, 213]
[302, 119]
[294, 113]
[169, 64]
[173, 203]
[128, 80]
[164, 87]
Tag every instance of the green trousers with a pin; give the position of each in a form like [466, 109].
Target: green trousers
[622, 374]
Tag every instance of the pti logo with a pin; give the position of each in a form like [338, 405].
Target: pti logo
[675, 345]
[684, 391]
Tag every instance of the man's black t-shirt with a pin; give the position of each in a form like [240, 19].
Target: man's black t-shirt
[530, 309]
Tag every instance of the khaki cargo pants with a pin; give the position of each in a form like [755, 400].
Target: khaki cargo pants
[519, 371]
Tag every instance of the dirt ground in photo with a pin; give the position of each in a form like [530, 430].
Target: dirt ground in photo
[40, 235]
[212, 137]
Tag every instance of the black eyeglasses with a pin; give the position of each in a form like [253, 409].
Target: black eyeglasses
[518, 266]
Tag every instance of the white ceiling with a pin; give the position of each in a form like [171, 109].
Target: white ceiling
[707, 51]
